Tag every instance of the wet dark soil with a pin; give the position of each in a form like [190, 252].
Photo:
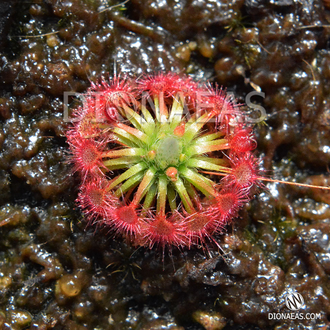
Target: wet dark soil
[57, 274]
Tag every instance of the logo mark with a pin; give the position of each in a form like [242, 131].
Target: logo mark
[294, 301]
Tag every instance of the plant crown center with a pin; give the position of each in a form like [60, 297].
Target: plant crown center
[168, 152]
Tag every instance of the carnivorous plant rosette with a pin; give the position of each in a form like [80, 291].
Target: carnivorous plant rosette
[162, 160]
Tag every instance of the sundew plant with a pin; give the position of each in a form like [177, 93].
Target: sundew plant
[162, 159]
